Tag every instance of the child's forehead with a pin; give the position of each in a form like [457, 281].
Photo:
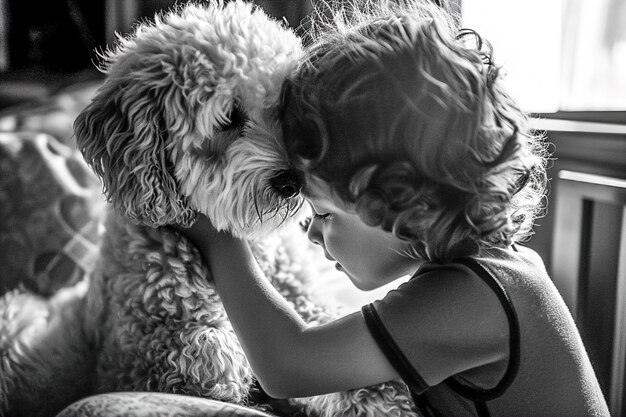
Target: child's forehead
[317, 198]
[317, 201]
[315, 188]
[321, 197]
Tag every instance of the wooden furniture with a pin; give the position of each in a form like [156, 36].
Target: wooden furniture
[583, 239]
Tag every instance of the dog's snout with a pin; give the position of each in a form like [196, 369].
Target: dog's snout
[286, 183]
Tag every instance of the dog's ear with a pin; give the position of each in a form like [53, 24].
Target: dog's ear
[122, 136]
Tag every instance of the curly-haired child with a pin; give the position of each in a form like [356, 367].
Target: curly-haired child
[414, 160]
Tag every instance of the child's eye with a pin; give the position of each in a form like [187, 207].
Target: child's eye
[306, 223]
[324, 216]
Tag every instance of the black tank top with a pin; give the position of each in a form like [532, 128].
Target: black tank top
[412, 379]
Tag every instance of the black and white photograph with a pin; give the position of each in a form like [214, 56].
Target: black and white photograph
[313, 208]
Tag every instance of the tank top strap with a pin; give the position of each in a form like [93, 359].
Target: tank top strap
[480, 394]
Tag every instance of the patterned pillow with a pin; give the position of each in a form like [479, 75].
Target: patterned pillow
[51, 208]
[53, 115]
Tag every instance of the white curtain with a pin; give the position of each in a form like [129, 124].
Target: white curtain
[559, 54]
[594, 55]
[526, 37]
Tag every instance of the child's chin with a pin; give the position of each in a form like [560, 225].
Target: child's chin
[361, 285]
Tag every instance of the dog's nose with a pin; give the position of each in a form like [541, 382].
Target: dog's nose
[286, 183]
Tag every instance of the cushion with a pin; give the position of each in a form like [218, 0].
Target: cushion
[144, 404]
[50, 211]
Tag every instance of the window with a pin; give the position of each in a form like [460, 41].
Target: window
[557, 54]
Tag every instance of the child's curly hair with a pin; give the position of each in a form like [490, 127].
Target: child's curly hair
[404, 117]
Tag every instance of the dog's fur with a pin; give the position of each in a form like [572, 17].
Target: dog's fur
[184, 122]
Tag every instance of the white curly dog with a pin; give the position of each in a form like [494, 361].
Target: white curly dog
[185, 122]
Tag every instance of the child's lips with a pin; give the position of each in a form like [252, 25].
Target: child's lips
[338, 266]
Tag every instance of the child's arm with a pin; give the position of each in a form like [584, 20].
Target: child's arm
[289, 358]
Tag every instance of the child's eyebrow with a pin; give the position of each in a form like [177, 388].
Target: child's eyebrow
[320, 207]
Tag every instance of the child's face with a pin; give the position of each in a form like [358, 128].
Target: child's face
[369, 256]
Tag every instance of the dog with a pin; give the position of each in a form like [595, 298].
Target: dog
[185, 122]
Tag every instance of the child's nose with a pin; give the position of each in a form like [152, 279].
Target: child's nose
[314, 233]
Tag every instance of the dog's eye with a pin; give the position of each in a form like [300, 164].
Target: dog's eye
[235, 120]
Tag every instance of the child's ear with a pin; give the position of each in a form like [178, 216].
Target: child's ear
[123, 137]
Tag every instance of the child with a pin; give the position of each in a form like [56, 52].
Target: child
[414, 161]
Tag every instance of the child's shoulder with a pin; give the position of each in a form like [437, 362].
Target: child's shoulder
[513, 270]
[463, 285]
[497, 262]
[493, 276]
[516, 265]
